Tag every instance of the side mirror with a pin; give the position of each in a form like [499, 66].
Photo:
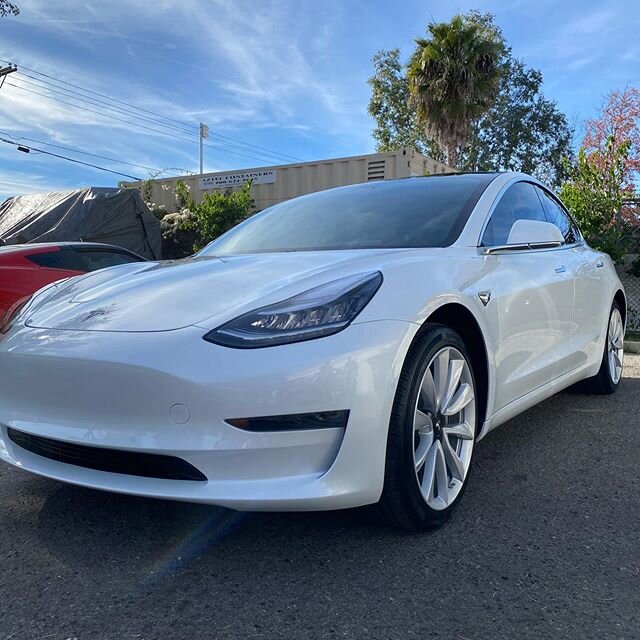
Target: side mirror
[534, 232]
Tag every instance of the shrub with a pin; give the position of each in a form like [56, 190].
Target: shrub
[217, 213]
[178, 234]
[158, 211]
[594, 194]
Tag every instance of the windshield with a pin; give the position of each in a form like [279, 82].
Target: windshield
[416, 212]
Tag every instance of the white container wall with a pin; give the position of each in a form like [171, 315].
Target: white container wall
[282, 182]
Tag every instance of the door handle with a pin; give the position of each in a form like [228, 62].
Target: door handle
[599, 264]
[561, 269]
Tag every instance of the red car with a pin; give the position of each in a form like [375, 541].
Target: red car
[25, 268]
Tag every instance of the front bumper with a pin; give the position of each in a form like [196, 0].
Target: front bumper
[169, 393]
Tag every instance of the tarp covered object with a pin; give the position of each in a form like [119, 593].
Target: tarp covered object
[93, 214]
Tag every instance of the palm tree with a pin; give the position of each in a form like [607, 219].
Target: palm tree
[8, 8]
[453, 78]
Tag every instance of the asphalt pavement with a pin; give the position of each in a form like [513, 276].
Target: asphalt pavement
[545, 544]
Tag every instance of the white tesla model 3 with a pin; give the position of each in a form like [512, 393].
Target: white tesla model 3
[344, 348]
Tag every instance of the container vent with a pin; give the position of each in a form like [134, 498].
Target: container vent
[375, 170]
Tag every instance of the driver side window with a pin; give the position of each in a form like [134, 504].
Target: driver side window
[519, 202]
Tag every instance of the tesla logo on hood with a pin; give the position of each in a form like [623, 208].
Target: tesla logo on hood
[95, 313]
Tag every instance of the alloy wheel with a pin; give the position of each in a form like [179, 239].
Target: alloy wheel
[443, 427]
[615, 345]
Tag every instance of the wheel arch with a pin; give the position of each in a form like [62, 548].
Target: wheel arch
[461, 319]
[621, 299]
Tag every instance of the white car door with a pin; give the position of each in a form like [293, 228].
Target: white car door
[591, 301]
[531, 293]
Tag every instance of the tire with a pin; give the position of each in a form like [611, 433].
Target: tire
[414, 497]
[607, 381]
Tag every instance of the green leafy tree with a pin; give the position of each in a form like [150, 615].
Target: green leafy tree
[8, 8]
[218, 212]
[392, 108]
[453, 78]
[523, 130]
[594, 193]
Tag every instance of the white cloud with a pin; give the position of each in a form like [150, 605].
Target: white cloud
[21, 182]
[575, 42]
[596, 22]
[243, 67]
[256, 53]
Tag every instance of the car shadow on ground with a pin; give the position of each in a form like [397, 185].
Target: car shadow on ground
[88, 529]
[141, 539]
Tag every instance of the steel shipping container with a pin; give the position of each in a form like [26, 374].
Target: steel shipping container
[281, 182]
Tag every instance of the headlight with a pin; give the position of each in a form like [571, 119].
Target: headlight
[318, 312]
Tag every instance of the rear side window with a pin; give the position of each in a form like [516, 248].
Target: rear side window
[94, 260]
[519, 202]
[559, 217]
[64, 258]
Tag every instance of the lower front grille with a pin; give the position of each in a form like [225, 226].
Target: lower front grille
[148, 465]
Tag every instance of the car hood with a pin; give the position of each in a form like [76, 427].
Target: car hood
[163, 296]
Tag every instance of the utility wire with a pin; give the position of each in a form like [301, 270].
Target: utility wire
[286, 156]
[102, 95]
[154, 170]
[40, 84]
[141, 126]
[100, 103]
[87, 153]
[100, 113]
[93, 101]
[56, 155]
[180, 122]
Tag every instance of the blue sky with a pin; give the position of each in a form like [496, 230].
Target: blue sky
[286, 75]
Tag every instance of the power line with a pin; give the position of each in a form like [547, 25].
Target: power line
[87, 153]
[141, 126]
[101, 103]
[94, 155]
[243, 144]
[93, 101]
[102, 95]
[248, 144]
[155, 170]
[65, 93]
[146, 128]
[100, 113]
[28, 149]
[5, 71]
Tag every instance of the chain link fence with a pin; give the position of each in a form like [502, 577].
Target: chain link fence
[629, 266]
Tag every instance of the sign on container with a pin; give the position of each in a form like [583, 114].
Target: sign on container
[223, 180]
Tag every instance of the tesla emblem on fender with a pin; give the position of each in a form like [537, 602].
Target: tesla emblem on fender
[485, 297]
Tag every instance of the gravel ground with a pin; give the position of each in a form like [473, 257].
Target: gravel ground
[544, 545]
